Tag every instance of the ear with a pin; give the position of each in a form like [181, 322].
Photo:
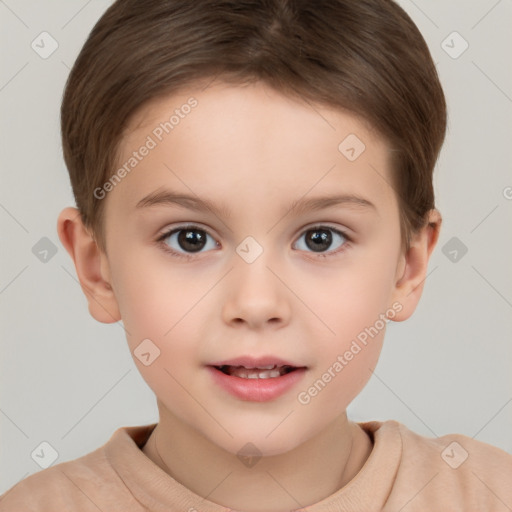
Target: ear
[412, 267]
[91, 265]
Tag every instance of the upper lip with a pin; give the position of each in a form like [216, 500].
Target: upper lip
[255, 362]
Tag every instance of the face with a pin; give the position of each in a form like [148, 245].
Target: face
[286, 252]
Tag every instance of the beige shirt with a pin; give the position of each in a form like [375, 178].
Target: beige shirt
[405, 472]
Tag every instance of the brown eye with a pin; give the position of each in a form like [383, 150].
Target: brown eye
[187, 240]
[321, 239]
[191, 240]
[318, 240]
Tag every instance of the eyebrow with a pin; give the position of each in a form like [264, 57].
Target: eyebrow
[169, 198]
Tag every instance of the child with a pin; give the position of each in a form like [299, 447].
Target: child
[255, 203]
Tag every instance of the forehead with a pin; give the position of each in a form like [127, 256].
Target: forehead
[225, 138]
[223, 104]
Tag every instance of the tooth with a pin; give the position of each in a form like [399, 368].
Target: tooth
[268, 367]
[257, 373]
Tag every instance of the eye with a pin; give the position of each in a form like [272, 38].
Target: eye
[319, 239]
[187, 240]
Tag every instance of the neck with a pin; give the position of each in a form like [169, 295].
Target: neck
[301, 477]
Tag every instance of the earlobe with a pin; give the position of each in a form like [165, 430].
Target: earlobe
[91, 266]
[414, 264]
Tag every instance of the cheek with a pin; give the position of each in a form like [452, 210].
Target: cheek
[345, 360]
[157, 307]
[354, 304]
[350, 300]
[333, 385]
[155, 296]
[166, 305]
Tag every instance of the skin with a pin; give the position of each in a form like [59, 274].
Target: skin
[253, 151]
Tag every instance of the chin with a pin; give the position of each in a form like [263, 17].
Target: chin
[258, 441]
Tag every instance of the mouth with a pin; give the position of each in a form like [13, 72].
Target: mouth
[256, 379]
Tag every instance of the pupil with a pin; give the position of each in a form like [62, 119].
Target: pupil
[319, 240]
[191, 240]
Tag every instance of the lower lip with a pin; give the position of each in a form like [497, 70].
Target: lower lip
[257, 390]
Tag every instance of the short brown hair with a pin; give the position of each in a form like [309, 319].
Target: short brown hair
[362, 56]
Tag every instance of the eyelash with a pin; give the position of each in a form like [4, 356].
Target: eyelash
[189, 256]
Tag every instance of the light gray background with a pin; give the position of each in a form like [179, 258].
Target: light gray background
[70, 381]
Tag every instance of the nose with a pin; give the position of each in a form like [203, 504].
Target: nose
[256, 297]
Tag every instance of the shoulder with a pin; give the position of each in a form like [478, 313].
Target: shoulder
[81, 484]
[454, 472]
